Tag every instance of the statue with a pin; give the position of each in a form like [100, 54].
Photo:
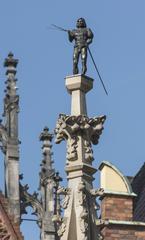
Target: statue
[83, 37]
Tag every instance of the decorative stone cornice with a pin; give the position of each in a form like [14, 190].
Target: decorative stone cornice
[117, 194]
[125, 223]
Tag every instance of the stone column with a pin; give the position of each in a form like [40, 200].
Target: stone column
[11, 109]
[80, 131]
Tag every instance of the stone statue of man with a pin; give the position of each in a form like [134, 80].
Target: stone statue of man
[83, 37]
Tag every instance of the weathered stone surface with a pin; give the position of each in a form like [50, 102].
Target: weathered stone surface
[9, 138]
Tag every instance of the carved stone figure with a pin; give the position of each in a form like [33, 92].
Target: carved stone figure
[83, 37]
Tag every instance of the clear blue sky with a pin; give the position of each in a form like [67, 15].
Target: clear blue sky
[45, 58]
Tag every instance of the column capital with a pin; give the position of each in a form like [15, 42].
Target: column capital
[78, 82]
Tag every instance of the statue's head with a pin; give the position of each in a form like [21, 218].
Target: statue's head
[81, 23]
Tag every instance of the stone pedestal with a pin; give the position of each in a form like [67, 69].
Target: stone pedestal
[78, 86]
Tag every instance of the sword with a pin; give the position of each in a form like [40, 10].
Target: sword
[59, 28]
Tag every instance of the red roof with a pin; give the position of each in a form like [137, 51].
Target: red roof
[8, 229]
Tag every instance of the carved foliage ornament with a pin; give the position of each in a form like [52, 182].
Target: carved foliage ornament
[94, 194]
[66, 193]
[71, 127]
[83, 196]
[4, 233]
[11, 103]
[30, 200]
[60, 221]
[3, 138]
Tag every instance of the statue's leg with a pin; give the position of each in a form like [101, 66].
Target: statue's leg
[84, 59]
[75, 60]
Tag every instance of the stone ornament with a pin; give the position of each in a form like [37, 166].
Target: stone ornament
[30, 200]
[71, 127]
[3, 138]
[66, 193]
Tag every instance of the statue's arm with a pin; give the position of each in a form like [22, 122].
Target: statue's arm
[90, 36]
[70, 35]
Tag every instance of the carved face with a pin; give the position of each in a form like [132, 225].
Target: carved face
[81, 23]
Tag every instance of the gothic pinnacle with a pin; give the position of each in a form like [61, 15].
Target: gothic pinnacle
[47, 186]
[46, 165]
[11, 143]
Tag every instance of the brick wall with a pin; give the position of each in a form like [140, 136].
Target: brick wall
[117, 207]
[118, 210]
[119, 232]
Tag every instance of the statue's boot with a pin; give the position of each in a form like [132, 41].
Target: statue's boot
[75, 69]
[84, 68]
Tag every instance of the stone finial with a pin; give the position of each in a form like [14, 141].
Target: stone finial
[45, 135]
[11, 64]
